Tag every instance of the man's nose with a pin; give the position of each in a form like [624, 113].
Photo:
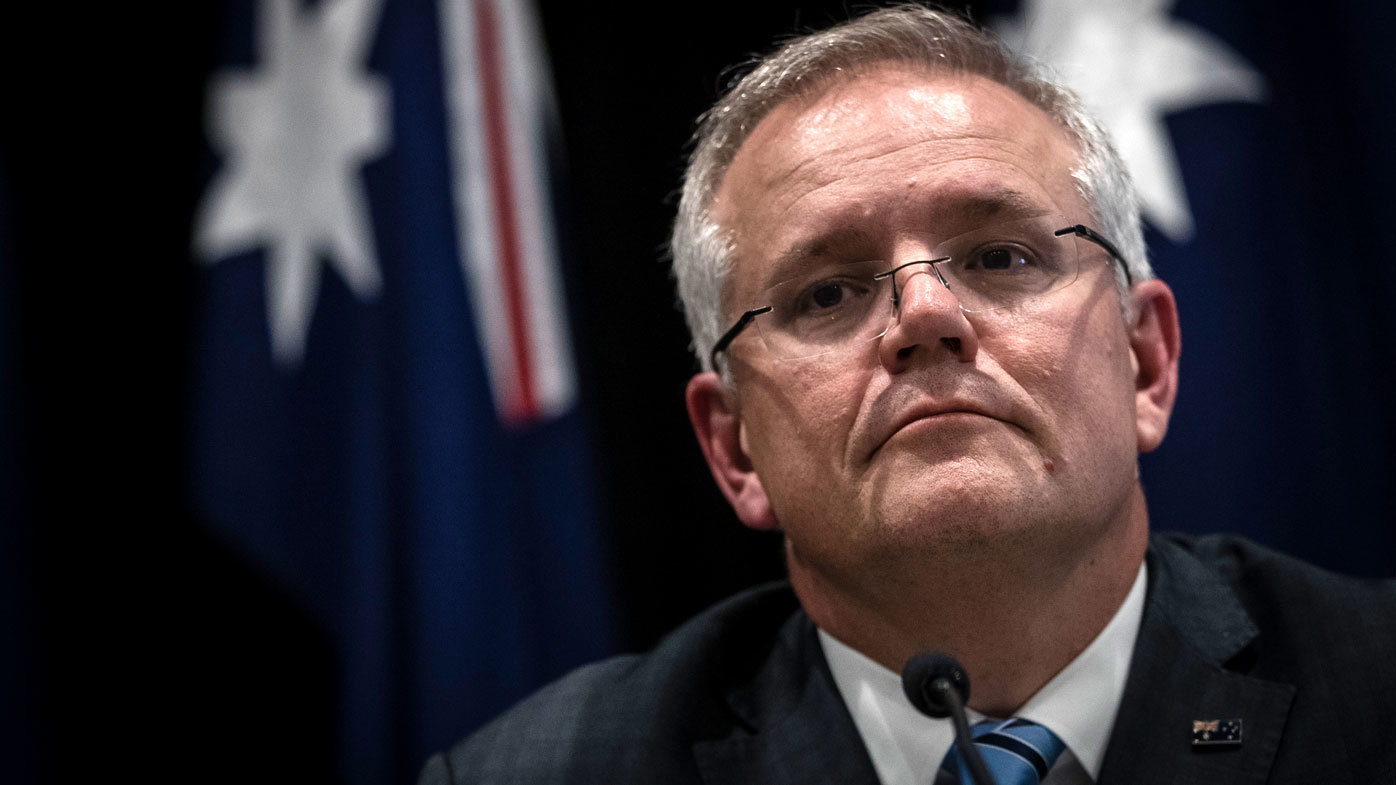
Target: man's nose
[927, 323]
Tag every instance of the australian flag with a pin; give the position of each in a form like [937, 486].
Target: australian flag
[385, 421]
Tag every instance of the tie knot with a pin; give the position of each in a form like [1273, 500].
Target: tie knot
[1015, 751]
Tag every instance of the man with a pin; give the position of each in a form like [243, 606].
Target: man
[933, 349]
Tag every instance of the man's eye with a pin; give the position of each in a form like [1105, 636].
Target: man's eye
[1005, 259]
[842, 296]
[827, 295]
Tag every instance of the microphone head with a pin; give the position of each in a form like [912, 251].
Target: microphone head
[927, 675]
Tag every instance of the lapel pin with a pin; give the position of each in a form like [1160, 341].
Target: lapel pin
[1216, 733]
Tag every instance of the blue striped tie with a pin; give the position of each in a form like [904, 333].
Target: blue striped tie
[1016, 752]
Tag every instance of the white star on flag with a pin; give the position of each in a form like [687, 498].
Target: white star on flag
[295, 131]
[1133, 64]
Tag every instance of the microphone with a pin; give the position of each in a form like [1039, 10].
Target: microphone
[938, 687]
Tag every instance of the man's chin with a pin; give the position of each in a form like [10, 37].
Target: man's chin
[985, 471]
[959, 504]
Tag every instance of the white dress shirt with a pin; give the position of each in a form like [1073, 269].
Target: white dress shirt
[1079, 704]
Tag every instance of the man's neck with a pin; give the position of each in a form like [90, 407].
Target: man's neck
[1013, 620]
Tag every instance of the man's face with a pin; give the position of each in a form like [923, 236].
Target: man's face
[953, 430]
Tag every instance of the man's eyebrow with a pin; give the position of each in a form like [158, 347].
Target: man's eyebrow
[1001, 202]
[981, 206]
[837, 242]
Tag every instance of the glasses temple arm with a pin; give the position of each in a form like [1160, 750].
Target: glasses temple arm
[731, 335]
[1095, 237]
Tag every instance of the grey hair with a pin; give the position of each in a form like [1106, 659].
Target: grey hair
[702, 251]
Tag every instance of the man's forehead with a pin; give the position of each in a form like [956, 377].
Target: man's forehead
[923, 98]
[981, 151]
[892, 96]
[891, 111]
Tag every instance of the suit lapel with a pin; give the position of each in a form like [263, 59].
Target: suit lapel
[793, 726]
[1193, 628]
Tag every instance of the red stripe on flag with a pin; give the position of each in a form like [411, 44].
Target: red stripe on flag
[525, 405]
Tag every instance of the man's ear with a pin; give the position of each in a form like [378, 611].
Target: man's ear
[1155, 342]
[716, 421]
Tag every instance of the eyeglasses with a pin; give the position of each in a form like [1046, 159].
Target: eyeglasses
[834, 307]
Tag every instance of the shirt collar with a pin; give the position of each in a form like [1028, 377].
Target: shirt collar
[1079, 704]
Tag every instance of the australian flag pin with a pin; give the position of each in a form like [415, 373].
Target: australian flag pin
[1216, 733]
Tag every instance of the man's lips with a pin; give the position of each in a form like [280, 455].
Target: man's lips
[928, 411]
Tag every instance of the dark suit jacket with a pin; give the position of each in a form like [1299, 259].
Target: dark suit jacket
[1304, 658]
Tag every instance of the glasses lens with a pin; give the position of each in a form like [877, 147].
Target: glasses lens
[834, 307]
[1006, 264]
[830, 307]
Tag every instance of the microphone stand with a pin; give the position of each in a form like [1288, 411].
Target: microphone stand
[938, 686]
[968, 751]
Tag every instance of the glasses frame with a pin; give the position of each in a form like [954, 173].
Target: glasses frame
[1080, 230]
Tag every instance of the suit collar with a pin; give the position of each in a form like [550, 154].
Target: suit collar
[1192, 598]
[1188, 666]
[792, 725]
